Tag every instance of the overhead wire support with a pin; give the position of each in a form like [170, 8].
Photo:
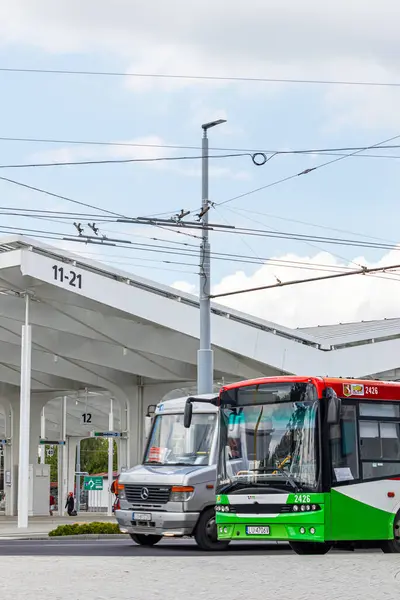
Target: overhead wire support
[94, 241]
[172, 223]
[362, 271]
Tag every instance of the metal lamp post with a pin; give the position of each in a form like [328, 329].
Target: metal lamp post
[205, 355]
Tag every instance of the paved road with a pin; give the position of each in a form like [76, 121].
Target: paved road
[118, 570]
[126, 548]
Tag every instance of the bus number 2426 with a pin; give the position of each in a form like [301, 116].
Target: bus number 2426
[371, 390]
[302, 498]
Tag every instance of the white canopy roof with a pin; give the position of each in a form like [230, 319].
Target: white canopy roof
[100, 328]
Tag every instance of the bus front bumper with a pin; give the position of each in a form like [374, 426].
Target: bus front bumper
[299, 527]
[162, 523]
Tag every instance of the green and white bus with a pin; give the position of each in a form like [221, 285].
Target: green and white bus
[312, 461]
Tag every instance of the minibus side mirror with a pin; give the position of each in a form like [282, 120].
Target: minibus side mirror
[187, 415]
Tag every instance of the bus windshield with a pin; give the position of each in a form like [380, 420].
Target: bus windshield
[268, 437]
[172, 444]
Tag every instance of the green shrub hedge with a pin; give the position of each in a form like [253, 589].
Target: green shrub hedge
[86, 529]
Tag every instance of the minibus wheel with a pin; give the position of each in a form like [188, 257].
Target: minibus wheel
[145, 540]
[206, 532]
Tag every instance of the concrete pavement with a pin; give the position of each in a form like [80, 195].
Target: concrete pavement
[121, 571]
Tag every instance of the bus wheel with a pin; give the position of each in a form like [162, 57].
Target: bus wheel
[310, 547]
[392, 546]
[145, 540]
[206, 532]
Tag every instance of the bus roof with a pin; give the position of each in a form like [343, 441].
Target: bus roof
[345, 388]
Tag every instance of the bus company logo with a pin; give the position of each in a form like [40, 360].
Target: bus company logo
[251, 497]
[353, 389]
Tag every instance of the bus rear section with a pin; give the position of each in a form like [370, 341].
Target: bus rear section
[311, 461]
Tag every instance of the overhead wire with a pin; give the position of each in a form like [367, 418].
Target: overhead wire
[174, 226]
[363, 272]
[120, 161]
[284, 235]
[316, 151]
[311, 245]
[182, 252]
[59, 196]
[244, 241]
[53, 215]
[80, 203]
[323, 82]
[331, 270]
[309, 223]
[44, 218]
[304, 172]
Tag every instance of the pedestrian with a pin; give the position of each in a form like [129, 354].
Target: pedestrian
[70, 504]
[114, 490]
[52, 504]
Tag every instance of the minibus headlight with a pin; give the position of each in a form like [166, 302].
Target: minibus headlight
[181, 493]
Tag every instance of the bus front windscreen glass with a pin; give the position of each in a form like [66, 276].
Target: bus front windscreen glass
[172, 444]
[269, 437]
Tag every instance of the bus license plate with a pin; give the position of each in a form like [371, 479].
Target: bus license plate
[257, 530]
[141, 516]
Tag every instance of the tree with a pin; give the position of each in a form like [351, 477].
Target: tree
[94, 457]
[53, 462]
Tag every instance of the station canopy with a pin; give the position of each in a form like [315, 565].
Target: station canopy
[97, 330]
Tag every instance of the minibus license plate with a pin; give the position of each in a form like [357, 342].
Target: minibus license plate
[257, 530]
[141, 516]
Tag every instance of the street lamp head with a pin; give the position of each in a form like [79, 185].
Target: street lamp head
[206, 126]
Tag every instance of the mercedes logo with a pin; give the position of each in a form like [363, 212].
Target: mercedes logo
[144, 493]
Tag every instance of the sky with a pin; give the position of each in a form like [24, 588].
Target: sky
[142, 117]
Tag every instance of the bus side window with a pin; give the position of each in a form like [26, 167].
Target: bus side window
[344, 446]
[348, 431]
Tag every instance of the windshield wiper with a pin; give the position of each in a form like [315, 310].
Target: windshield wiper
[288, 477]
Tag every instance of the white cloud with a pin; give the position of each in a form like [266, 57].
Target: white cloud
[210, 32]
[184, 286]
[308, 39]
[353, 298]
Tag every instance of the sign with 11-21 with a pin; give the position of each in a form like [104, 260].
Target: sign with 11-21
[67, 276]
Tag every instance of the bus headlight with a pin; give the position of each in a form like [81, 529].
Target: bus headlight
[121, 491]
[181, 493]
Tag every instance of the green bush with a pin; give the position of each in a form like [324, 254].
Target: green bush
[86, 529]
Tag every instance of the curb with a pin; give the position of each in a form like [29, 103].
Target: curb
[89, 536]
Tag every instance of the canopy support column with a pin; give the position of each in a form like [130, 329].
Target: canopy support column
[24, 422]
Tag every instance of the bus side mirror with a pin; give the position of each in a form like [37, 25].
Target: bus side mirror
[187, 415]
[334, 406]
